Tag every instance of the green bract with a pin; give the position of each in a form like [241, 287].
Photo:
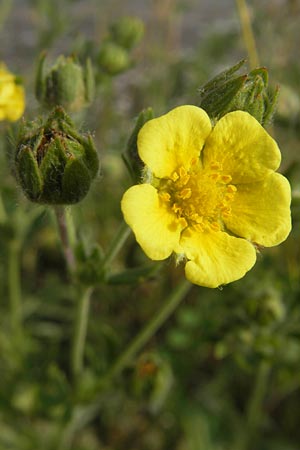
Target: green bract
[67, 84]
[54, 163]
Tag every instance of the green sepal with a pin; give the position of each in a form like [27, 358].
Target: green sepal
[254, 100]
[270, 105]
[76, 181]
[130, 156]
[29, 175]
[218, 101]
[220, 79]
[91, 157]
[52, 169]
[249, 92]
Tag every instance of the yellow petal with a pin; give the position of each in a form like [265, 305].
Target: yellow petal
[261, 211]
[155, 226]
[243, 147]
[173, 140]
[216, 258]
[15, 104]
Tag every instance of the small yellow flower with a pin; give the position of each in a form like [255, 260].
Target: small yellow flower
[210, 193]
[12, 98]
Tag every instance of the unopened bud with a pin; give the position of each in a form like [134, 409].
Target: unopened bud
[249, 92]
[55, 164]
[67, 84]
[113, 59]
[127, 32]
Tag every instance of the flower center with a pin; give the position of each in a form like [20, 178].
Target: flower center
[199, 197]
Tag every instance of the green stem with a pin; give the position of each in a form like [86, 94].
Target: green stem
[150, 329]
[254, 409]
[15, 289]
[117, 243]
[80, 332]
[247, 32]
[66, 236]
[3, 215]
[84, 415]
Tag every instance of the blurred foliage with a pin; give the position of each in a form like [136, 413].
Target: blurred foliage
[224, 372]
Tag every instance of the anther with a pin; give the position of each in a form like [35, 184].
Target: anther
[226, 178]
[185, 193]
[174, 176]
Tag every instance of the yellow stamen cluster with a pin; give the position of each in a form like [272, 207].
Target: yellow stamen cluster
[199, 197]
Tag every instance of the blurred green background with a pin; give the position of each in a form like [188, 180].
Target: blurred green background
[224, 372]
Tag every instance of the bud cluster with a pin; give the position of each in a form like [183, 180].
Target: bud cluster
[249, 92]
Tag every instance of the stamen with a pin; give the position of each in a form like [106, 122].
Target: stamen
[182, 172]
[165, 196]
[183, 222]
[215, 165]
[215, 226]
[176, 208]
[200, 198]
[185, 193]
[231, 188]
[214, 176]
[226, 178]
[174, 176]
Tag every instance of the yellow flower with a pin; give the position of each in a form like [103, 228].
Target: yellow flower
[209, 194]
[12, 101]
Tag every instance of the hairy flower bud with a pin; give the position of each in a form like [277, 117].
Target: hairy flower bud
[127, 32]
[112, 58]
[54, 164]
[67, 84]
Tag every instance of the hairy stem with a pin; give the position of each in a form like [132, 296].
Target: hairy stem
[84, 415]
[65, 236]
[254, 410]
[14, 284]
[150, 329]
[117, 243]
[80, 332]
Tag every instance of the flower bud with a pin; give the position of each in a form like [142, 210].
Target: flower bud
[249, 92]
[12, 98]
[113, 59]
[67, 84]
[127, 32]
[54, 164]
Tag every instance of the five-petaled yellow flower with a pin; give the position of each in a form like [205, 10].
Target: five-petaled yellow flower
[209, 194]
[12, 98]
